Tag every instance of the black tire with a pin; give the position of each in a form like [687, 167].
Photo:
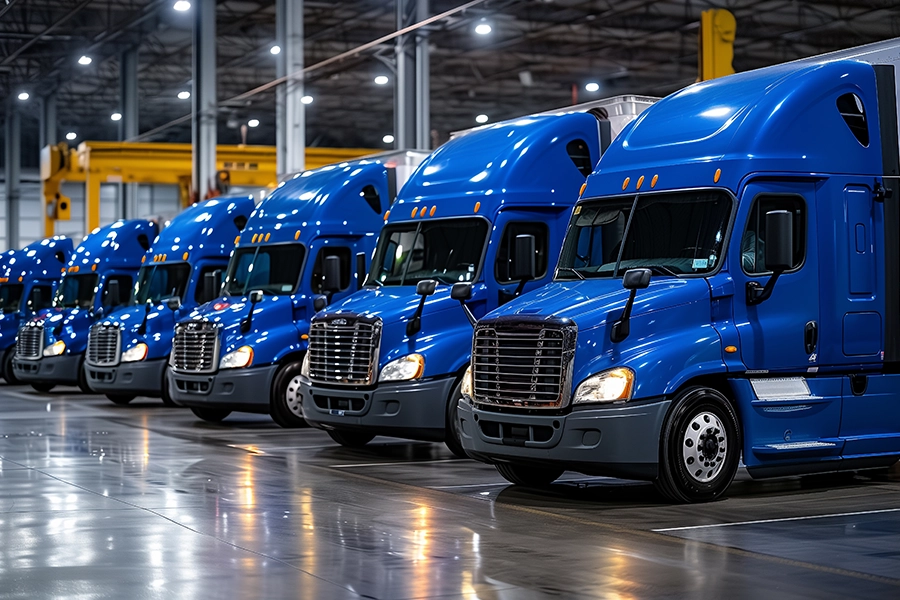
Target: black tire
[83, 380]
[528, 476]
[165, 395]
[120, 399]
[9, 373]
[211, 415]
[43, 387]
[350, 439]
[700, 447]
[452, 439]
[285, 404]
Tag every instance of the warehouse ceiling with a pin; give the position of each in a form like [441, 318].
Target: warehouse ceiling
[537, 53]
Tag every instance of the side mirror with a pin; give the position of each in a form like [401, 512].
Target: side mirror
[426, 287]
[174, 303]
[211, 285]
[256, 296]
[97, 313]
[636, 279]
[320, 302]
[461, 291]
[779, 240]
[523, 267]
[112, 293]
[332, 272]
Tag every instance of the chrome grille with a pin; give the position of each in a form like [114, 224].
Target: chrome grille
[195, 348]
[30, 342]
[522, 363]
[344, 350]
[104, 345]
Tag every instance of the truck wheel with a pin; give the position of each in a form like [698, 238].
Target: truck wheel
[350, 439]
[9, 373]
[529, 476]
[82, 380]
[120, 399]
[285, 406]
[452, 439]
[211, 415]
[43, 387]
[699, 447]
[165, 395]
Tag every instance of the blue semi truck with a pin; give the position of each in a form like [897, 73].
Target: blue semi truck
[307, 244]
[128, 350]
[729, 287]
[489, 208]
[28, 280]
[99, 277]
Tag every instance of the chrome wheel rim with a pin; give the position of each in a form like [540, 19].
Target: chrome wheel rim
[704, 447]
[293, 398]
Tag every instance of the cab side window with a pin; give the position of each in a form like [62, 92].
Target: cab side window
[126, 287]
[753, 242]
[506, 253]
[199, 288]
[318, 273]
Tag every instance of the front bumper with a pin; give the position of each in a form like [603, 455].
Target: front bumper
[242, 390]
[413, 410]
[141, 378]
[616, 441]
[63, 369]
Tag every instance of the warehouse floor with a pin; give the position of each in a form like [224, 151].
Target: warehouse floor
[102, 501]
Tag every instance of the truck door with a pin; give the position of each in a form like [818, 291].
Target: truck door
[779, 334]
[547, 240]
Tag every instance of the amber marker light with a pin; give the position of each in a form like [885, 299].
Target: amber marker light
[730, 349]
[625, 183]
[477, 206]
[717, 175]
[640, 182]
[653, 181]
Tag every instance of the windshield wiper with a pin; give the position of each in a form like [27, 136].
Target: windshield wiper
[571, 270]
[661, 270]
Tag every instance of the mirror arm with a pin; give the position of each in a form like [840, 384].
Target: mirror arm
[143, 327]
[248, 320]
[415, 324]
[468, 312]
[622, 327]
[521, 286]
[756, 294]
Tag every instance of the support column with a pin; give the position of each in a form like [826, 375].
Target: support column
[12, 173]
[128, 126]
[204, 105]
[423, 80]
[404, 81]
[48, 120]
[290, 114]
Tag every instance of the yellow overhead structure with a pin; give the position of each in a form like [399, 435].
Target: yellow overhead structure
[715, 50]
[95, 163]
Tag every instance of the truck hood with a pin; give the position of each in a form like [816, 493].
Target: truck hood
[160, 326]
[396, 304]
[592, 302]
[68, 324]
[271, 313]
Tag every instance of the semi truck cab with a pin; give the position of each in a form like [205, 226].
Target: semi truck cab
[487, 210]
[99, 277]
[28, 280]
[728, 288]
[307, 244]
[128, 350]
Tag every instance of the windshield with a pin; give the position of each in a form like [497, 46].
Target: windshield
[76, 291]
[670, 234]
[10, 295]
[448, 250]
[159, 282]
[273, 269]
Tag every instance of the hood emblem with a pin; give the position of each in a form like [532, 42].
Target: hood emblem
[339, 322]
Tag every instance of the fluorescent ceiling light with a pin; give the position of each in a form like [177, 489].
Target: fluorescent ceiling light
[85, 60]
[388, 139]
[116, 116]
[483, 28]
[71, 135]
[381, 80]
[24, 96]
[482, 119]
[253, 122]
[593, 86]
[182, 5]
[276, 49]
[306, 99]
[184, 95]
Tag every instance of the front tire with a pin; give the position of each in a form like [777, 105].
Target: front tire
[9, 373]
[165, 395]
[120, 399]
[533, 477]
[83, 381]
[452, 439]
[286, 403]
[350, 439]
[700, 447]
[211, 415]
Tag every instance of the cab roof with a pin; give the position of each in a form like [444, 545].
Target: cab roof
[120, 244]
[44, 259]
[778, 119]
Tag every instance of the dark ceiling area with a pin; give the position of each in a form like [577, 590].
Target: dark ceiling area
[537, 53]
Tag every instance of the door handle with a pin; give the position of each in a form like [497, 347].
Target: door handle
[811, 336]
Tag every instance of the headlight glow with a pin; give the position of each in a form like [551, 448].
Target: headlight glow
[55, 349]
[304, 366]
[466, 387]
[615, 385]
[135, 353]
[404, 368]
[242, 357]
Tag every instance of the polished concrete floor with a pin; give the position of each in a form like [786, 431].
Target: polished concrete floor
[103, 501]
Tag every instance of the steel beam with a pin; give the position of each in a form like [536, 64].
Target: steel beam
[12, 173]
[48, 134]
[423, 80]
[290, 114]
[405, 77]
[128, 126]
[204, 105]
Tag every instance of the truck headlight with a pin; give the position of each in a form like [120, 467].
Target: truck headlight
[304, 366]
[404, 368]
[55, 349]
[614, 385]
[242, 357]
[466, 387]
[135, 353]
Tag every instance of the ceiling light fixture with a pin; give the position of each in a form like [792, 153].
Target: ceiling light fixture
[182, 6]
[276, 49]
[116, 116]
[184, 95]
[388, 139]
[306, 99]
[24, 96]
[483, 28]
[71, 136]
[85, 60]
[253, 123]
[482, 119]
[381, 80]
[592, 86]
